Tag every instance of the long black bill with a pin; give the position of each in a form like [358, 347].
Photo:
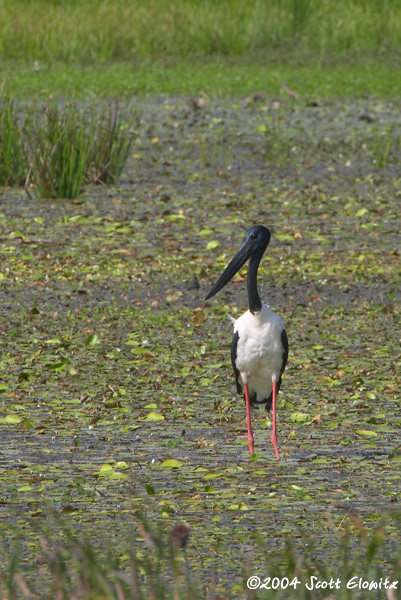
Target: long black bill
[232, 268]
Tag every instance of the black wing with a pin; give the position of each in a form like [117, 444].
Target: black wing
[234, 343]
[284, 341]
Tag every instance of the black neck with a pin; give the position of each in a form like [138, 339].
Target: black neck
[254, 302]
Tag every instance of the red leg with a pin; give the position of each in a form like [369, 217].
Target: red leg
[248, 419]
[273, 438]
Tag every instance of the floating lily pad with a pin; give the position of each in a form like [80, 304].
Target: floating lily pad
[153, 416]
[171, 463]
[11, 419]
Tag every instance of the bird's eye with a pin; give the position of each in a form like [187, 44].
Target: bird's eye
[252, 236]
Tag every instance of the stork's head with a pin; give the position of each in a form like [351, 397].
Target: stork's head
[255, 242]
[257, 238]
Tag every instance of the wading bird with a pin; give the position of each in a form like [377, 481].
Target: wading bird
[259, 348]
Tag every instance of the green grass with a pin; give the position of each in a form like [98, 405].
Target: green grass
[58, 146]
[214, 78]
[91, 31]
[325, 49]
[280, 133]
[12, 163]
[154, 565]
[114, 131]
[55, 148]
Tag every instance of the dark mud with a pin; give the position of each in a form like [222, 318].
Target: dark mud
[108, 369]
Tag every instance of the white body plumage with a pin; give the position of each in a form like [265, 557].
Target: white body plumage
[260, 350]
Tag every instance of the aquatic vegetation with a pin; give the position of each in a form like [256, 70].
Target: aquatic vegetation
[117, 396]
[53, 148]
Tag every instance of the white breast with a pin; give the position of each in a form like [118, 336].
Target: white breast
[259, 350]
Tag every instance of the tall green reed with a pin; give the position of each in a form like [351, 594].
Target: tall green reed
[58, 148]
[113, 131]
[12, 160]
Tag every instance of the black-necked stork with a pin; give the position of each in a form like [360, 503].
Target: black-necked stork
[259, 348]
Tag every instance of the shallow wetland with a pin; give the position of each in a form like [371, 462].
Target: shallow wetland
[112, 363]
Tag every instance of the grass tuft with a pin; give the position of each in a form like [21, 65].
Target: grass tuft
[114, 132]
[12, 160]
[280, 133]
[58, 150]
[385, 146]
